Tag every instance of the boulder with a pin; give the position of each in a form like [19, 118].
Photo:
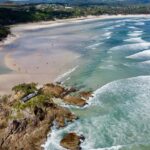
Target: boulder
[55, 90]
[73, 100]
[62, 116]
[60, 121]
[68, 91]
[85, 94]
[71, 141]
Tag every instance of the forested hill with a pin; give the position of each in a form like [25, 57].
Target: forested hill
[13, 14]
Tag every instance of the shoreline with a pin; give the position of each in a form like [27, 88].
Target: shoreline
[19, 75]
[60, 22]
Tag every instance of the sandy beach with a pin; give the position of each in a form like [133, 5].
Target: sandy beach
[41, 70]
[42, 66]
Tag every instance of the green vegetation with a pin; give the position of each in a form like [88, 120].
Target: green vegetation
[35, 101]
[4, 31]
[25, 89]
[32, 13]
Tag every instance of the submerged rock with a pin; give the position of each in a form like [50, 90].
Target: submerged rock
[73, 100]
[71, 141]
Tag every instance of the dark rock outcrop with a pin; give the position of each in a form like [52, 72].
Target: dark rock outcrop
[68, 91]
[71, 141]
[73, 100]
[55, 90]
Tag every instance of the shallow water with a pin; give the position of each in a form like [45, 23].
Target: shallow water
[114, 62]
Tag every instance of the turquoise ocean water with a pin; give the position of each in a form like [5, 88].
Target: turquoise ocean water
[115, 64]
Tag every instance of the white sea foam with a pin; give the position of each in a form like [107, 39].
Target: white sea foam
[116, 84]
[147, 62]
[107, 35]
[53, 140]
[141, 55]
[114, 26]
[135, 33]
[109, 28]
[93, 46]
[66, 74]
[135, 40]
[118, 147]
[108, 67]
[132, 27]
[139, 23]
[133, 47]
[119, 25]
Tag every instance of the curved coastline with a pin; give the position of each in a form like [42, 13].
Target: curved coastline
[23, 76]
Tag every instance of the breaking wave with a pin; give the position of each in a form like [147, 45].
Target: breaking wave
[141, 55]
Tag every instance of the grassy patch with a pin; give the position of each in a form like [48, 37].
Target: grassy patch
[35, 101]
[26, 89]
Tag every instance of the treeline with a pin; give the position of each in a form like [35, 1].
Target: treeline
[22, 14]
[32, 13]
[4, 31]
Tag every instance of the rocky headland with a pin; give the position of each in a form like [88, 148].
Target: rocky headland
[28, 114]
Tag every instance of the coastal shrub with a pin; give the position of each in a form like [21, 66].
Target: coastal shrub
[4, 99]
[35, 101]
[25, 88]
[4, 31]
